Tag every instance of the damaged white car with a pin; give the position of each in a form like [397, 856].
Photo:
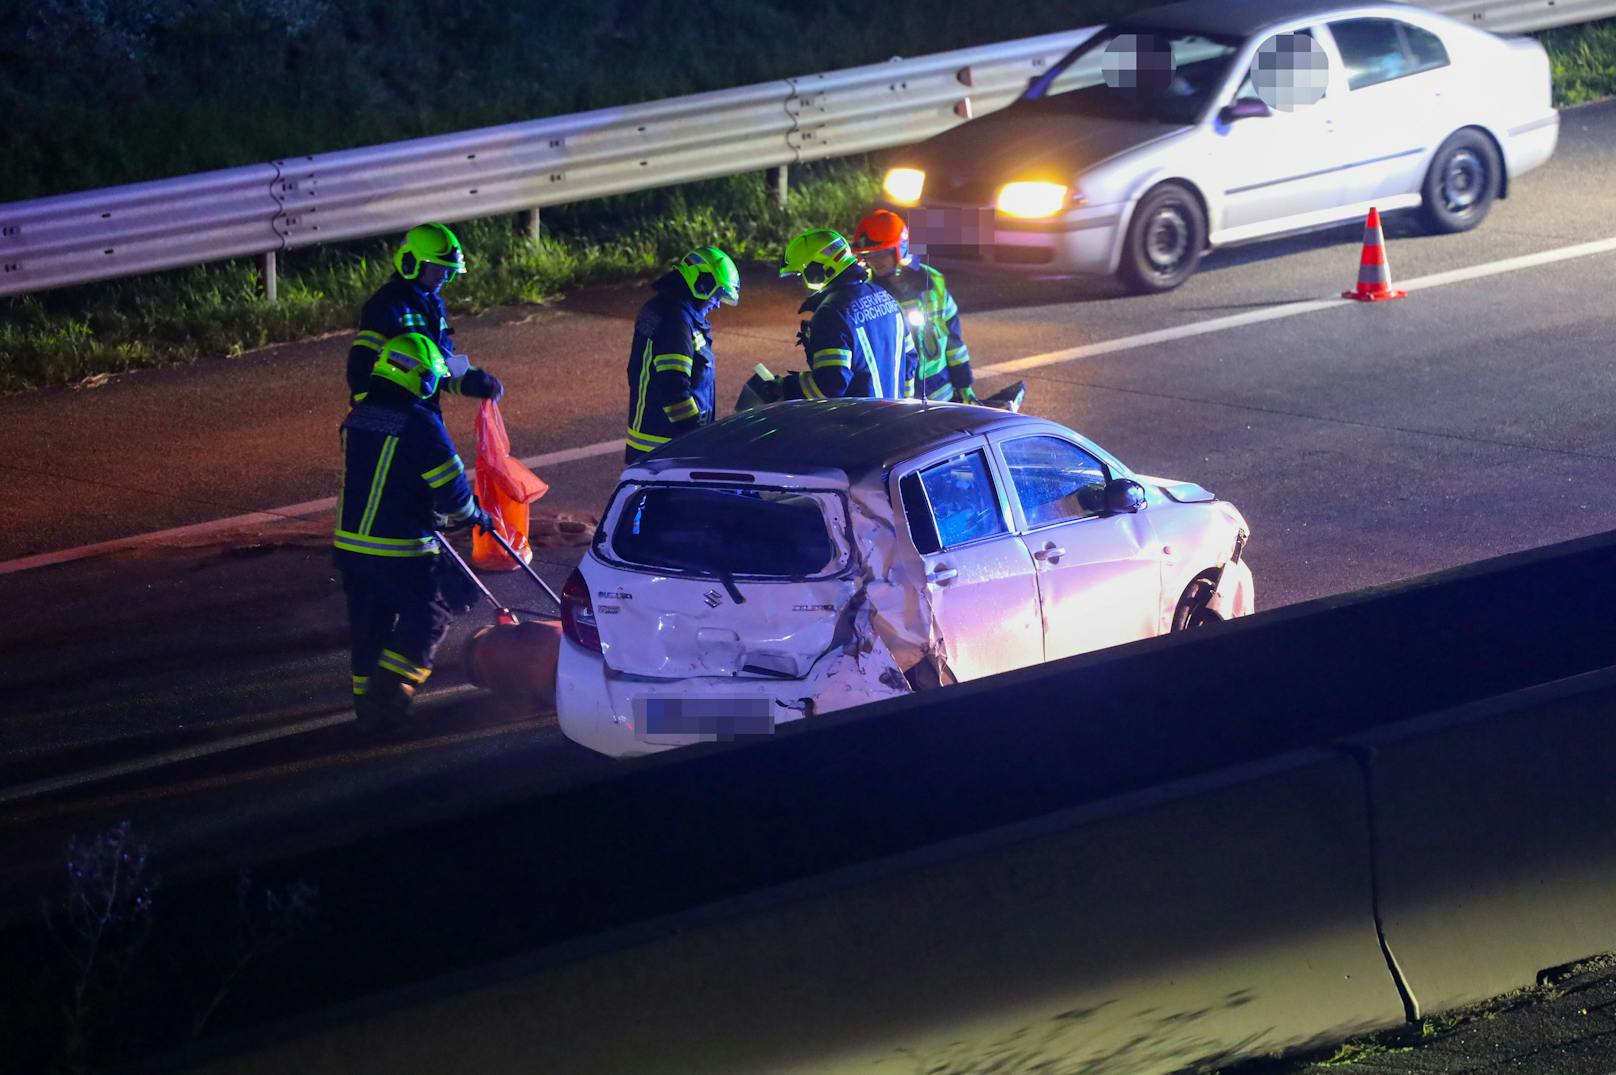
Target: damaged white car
[813, 556]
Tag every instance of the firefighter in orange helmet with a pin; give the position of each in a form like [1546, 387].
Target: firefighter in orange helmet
[881, 241]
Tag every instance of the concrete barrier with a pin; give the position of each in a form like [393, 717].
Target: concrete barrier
[675, 835]
[1496, 829]
[1209, 920]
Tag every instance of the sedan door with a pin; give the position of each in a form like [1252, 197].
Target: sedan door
[1400, 103]
[979, 576]
[1099, 574]
[1279, 167]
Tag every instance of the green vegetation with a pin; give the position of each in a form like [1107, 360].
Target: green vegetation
[98, 93]
[65, 336]
[1584, 60]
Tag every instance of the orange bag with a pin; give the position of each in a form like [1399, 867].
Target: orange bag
[505, 488]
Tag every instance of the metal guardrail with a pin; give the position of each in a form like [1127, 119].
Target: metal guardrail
[262, 209]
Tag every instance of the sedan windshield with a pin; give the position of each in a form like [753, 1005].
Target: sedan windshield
[1137, 74]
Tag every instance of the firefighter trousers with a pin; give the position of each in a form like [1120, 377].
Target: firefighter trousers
[397, 617]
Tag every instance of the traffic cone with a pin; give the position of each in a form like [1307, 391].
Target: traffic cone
[1374, 274]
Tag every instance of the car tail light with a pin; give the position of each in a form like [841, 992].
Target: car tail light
[578, 613]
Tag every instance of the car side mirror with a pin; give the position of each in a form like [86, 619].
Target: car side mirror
[1244, 108]
[1124, 496]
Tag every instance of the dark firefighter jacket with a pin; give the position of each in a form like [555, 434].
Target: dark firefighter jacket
[670, 368]
[933, 320]
[399, 307]
[400, 474]
[856, 342]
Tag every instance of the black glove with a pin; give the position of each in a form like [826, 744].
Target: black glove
[802, 335]
[480, 384]
[479, 518]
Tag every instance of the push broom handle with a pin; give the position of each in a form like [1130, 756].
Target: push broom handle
[525, 566]
[465, 569]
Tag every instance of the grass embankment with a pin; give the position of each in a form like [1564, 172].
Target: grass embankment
[1584, 61]
[393, 68]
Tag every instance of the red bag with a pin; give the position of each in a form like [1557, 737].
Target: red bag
[505, 488]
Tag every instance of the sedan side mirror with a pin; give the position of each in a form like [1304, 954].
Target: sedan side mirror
[1124, 496]
[1244, 108]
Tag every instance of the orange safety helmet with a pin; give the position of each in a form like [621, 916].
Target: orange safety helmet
[882, 230]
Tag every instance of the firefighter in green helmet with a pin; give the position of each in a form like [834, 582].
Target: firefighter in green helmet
[402, 481]
[411, 301]
[670, 362]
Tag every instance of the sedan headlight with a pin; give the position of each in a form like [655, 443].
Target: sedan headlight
[1032, 199]
[903, 185]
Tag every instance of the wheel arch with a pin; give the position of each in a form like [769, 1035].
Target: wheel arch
[1145, 190]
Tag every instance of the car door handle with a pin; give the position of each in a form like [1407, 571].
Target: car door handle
[941, 576]
[1051, 553]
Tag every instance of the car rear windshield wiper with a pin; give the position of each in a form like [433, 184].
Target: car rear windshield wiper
[718, 571]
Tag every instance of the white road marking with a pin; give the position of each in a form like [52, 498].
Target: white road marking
[1292, 309]
[202, 750]
[1050, 358]
[269, 515]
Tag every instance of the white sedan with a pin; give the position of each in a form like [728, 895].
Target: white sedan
[1213, 122]
[812, 556]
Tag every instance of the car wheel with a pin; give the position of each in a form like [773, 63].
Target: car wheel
[1192, 608]
[1462, 184]
[1165, 239]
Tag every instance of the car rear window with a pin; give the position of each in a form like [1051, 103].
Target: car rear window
[758, 532]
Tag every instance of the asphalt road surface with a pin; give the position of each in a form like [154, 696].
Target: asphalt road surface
[197, 684]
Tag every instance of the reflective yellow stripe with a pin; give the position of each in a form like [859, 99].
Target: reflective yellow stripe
[810, 387]
[685, 408]
[675, 363]
[383, 463]
[361, 684]
[403, 667]
[444, 473]
[645, 442]
[645, 389]
[370, 341]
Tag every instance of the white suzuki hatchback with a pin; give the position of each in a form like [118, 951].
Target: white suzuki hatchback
[813, 556]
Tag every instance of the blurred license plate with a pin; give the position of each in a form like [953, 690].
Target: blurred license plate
[950, 225]
[716, 718]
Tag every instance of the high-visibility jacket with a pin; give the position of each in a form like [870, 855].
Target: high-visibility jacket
[399, 307]
[670, 369]
[401, 478]
[933, 320]
[856, 342]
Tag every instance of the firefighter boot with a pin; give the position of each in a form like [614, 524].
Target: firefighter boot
[390, 700]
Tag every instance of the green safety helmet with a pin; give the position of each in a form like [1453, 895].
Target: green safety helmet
[818, 256]
[429, 242]
[708, 271]
[413, 362]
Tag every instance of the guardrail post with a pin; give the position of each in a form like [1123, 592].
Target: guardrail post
[266, 265]
[778, 179]
[527, 223]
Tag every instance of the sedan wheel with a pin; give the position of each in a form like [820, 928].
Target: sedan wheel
[1165, 239]
[1463, 182]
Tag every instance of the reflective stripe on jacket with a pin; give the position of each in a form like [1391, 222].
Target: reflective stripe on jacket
[401, 475]
[670, 368]
[933, 321]
[396, 308]
[856, 343]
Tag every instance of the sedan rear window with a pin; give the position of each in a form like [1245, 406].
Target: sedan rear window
[1380, 50]
[758, 532]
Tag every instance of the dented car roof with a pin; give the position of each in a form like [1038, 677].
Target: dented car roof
[854, 436]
